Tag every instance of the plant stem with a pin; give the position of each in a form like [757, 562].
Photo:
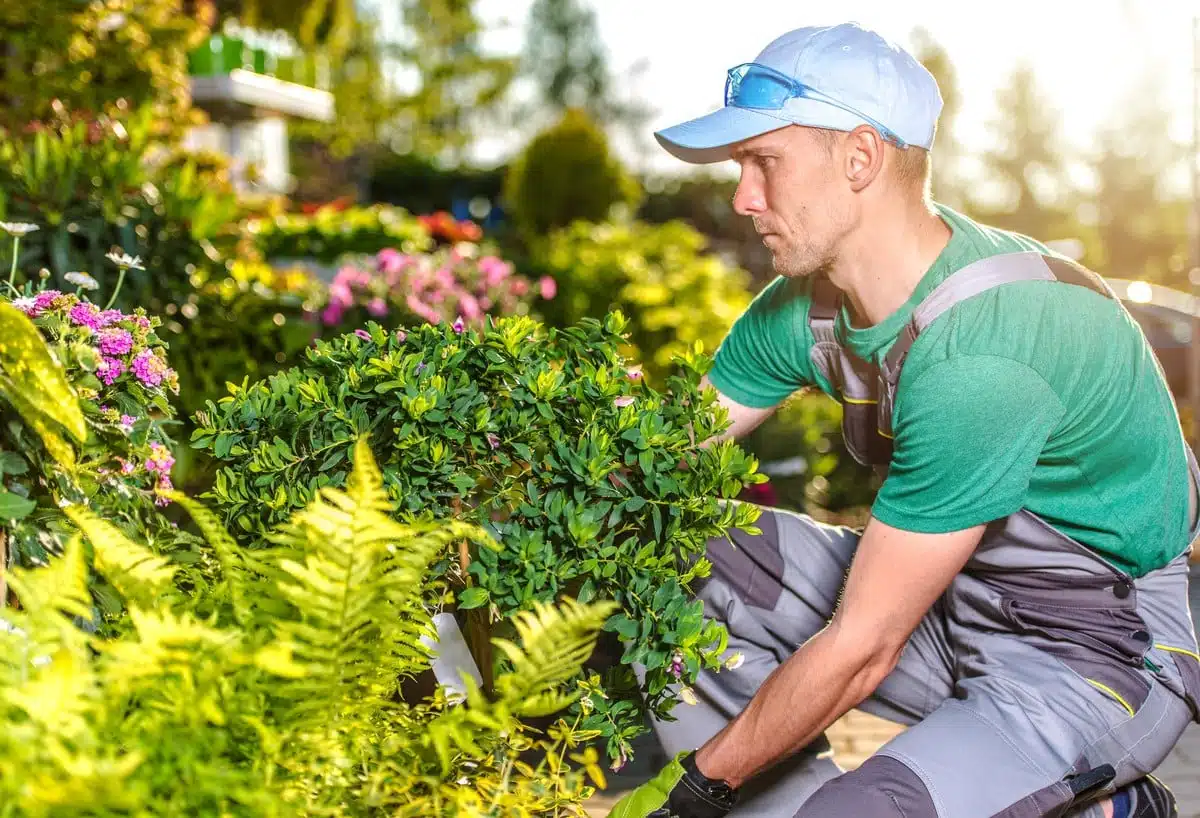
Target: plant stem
[117, 289]
[12, 274]
[3, 571]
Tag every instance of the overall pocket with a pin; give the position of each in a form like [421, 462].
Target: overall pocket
[1105, 644]
[1187, 662]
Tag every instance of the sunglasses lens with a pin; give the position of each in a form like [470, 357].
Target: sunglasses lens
[750, 87]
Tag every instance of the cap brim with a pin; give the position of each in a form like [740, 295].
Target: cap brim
[709, 138]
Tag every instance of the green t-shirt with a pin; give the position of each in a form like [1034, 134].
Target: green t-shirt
[1039, 395]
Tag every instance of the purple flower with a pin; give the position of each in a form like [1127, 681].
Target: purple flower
[115, 341]
[127, 466]
[109, 317]
[45, 300]
[149, 368]
[362, 333]
[458, 325]
[331, 315]
[377, 307]
[109, 370]
[127, 422]
[85, 315]
[420, 367]
[160, 460]
[493, 441]
[677, 664]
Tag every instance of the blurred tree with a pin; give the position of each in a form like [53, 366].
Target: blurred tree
[1142, 226]
[566, 60]
[567, 173]
[1028, 164]
[87, 57]
[948, 185]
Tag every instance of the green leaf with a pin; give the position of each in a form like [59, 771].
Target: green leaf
[12, 463]
[635, 503]
[473, 598]
[29, 370]
[14, 506]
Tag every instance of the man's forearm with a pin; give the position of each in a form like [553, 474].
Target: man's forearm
[802, 697]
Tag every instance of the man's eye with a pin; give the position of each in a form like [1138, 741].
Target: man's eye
[766, 162]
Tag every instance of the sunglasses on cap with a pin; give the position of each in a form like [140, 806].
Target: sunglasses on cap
[751, 85]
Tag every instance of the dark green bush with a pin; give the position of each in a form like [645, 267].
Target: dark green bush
[588, 478]
[564, 174]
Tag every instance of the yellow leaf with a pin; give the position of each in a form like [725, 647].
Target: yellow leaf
[33, 379]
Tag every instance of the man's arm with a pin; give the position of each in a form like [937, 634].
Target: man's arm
[895, 577]
[743, 419]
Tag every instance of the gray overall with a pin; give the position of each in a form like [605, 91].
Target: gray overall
[1042, 679]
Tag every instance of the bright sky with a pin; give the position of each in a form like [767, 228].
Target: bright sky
[1087, 53]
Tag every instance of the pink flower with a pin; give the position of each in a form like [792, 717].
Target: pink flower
[401, 335]
[127, 466]
[362, 333]
[493, 441]
[26, 305]
[377, 307]
[624, 400]
[85, 315]
[45, 300]
[160, 460]
[420, 308]
[331, 315]
[109, 370]
[391, 261]
[494, 270]
[340, 294]
[149, 368]
[142, 321]
[469, 307]
[458, 325]
[127, 422]
[520, 287]
[548, 287]
[115, 341]
[108, 317]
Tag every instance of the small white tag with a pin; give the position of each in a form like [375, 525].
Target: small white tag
[451, 655]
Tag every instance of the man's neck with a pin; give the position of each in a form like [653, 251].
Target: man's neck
[880, 269]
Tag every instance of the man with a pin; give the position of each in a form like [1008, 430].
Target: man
[1018, 596]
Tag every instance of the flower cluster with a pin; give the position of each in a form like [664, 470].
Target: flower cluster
[119, 369]
[442, 226]
[121, 341]
[453, 282]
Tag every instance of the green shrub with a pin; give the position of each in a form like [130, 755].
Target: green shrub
[331, 232]
[660, 276]
[566, 173]
[281, 692]
[589, 479]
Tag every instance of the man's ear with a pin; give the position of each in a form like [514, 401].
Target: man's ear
[864, 156]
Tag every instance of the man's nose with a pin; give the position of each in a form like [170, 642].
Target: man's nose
[748, 199]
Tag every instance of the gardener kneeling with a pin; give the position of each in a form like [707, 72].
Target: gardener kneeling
[1019, 595]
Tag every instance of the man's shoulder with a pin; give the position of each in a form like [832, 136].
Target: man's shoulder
[984, 239]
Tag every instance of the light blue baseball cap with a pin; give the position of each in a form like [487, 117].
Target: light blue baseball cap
[835, 77]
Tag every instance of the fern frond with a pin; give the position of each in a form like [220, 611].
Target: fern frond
[233, 558]
[59, 586]
[166, 645]
[353, 577]
[138, 574]
[58, 695]
[555, 642]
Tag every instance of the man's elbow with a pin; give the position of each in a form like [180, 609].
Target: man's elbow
[874, 654]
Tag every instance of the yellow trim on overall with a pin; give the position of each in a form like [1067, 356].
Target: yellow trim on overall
[859, 401]
[885, 434]
[1112, 693]
[1184, 651]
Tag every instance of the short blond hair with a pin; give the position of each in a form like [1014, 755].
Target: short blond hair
[910, 166]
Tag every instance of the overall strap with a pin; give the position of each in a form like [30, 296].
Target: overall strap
[826, 301]
[974, 279]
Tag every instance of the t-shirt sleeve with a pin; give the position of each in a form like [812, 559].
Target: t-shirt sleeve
[969, 431]
[764, 358]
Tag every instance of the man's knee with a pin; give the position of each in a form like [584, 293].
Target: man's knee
[881, 788]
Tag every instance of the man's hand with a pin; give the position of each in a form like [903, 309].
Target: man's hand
[894, 579]
[678, 791]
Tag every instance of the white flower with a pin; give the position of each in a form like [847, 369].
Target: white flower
[18, 228]
[82, 280]
[25, 305]
[462, 782]
[688, 695]
[125, 261]
[735, 661]
[111, 22]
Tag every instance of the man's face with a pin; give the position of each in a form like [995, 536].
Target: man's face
[789, 186]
